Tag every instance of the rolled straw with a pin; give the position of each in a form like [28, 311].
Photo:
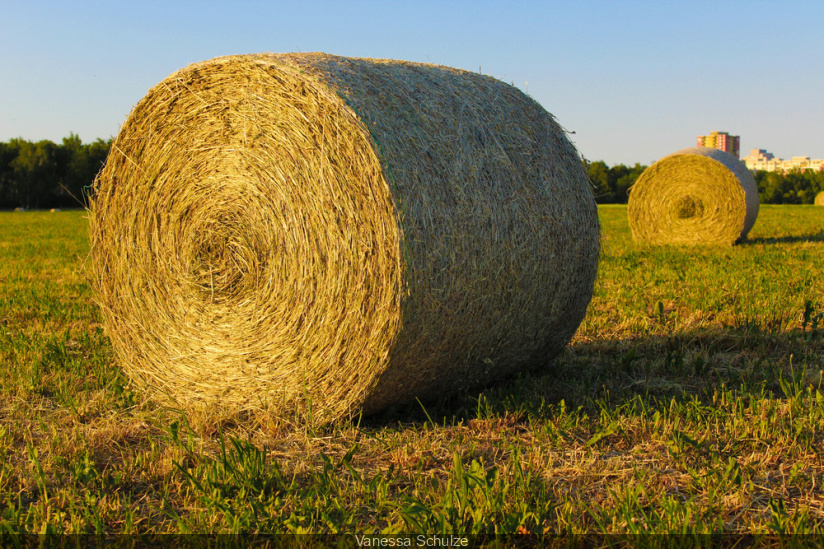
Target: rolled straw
[698, 195]
[305, 230]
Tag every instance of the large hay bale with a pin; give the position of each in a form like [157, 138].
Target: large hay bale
[819, 199]
[698, 195]
[350, 233]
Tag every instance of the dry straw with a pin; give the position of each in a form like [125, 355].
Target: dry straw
[304, 229]
[819, 199]
[698, 195]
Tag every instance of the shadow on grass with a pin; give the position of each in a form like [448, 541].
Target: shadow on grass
[818, 237]
[657, 368]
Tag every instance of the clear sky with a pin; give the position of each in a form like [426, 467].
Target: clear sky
[635, 80]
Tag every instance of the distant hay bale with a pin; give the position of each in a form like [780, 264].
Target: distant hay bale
[698, 195]
[303, 229]
[819, 199]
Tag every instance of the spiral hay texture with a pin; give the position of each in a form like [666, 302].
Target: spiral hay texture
[698, 195]
[296, 230]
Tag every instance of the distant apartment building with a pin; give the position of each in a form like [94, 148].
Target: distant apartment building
[720, 140]
[760, 159]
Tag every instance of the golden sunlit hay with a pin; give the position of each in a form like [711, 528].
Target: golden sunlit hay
[698, 195]
[304, 229]
[819, 199]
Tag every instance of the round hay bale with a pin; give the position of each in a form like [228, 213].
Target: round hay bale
[819, 199]
[698, 195]
[298, 230]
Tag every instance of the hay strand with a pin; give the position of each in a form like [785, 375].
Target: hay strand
[294, 229]
[698, 195]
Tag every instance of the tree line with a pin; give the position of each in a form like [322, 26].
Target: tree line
[51, 175]
[47, 174]
[611, 184]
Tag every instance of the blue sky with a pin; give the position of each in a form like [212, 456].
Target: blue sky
[634, 80]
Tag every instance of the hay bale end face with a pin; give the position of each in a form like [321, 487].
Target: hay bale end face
[698, 195]
[819, 199]
[296, 229]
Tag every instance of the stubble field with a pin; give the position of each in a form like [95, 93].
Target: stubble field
[690, 401]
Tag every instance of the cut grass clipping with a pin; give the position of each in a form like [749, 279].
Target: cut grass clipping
[698, 195]
[337, 235]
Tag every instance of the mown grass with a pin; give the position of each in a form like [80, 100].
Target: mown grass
[689, 402]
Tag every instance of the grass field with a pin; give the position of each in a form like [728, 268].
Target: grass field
[689, 401]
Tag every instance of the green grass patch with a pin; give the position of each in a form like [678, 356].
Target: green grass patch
[689, 402]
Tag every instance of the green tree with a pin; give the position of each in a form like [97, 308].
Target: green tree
[97, 153]
[36, 170]
[8, 183]
[791, 188]
[44, 174]
[75, 170]
[598, 173]
[624, 179]
[612, 184]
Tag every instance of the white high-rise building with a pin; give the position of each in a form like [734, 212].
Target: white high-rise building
[760, 159]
